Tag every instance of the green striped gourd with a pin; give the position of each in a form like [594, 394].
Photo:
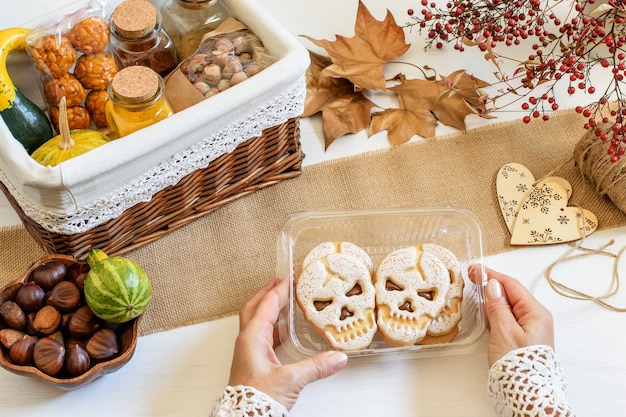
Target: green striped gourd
[116, 289]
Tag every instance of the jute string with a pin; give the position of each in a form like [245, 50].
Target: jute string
[609, 178]
[590, 155]
[575, 294]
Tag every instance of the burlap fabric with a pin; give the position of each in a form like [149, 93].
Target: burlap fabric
[211, 267]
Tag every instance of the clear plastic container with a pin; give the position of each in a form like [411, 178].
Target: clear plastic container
[380, 232]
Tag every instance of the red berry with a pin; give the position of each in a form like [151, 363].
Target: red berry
[526, 119]
[410, 12]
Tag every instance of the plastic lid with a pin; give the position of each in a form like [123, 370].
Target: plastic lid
[134, 18]
[135, 84]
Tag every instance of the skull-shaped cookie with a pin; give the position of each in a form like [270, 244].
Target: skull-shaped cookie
[336, 294]
[444, 327]
[347, 248]
[411, 288]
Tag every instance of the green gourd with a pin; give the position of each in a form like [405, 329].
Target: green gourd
[67, 144]
[116, 289]
[28, 124]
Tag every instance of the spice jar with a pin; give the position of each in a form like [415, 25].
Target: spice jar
[137, 37]
[135, 101]
[186, 21]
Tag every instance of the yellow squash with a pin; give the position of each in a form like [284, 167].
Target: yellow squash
[68, 144]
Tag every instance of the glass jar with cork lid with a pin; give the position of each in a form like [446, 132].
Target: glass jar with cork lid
[186, 21]
[136, 101]
[137, 37]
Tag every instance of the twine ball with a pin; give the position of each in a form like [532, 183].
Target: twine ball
[609, 178]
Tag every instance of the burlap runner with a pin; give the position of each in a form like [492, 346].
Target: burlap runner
[209, 268]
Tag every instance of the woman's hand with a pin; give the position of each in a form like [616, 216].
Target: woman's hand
[255, 362]
[516, 318]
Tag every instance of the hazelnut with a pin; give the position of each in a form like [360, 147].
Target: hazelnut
[211, 74]
[220, 58]
[21, 353]
[224, 45]
[48, 356]
[238, 77]
[83, 323]
[30, 297]
[77, 360]
[234, 66]
[242, 44]
[104, 344]
[48, 275]
[8, 337]
[251, 70]
[47, 320]
[202, 87]
[224, 84]
[213, 91]
[65, 296]
[13, 315]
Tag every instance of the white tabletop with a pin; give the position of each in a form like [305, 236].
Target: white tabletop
[181, 372]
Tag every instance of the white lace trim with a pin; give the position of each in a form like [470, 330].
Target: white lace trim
[529, 382]
[243, 401]
[287, 105]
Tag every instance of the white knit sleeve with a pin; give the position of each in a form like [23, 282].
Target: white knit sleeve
[529, 382]
[243, 401]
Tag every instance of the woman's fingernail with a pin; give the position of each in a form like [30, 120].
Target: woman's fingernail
[494, 289]
[337, 360]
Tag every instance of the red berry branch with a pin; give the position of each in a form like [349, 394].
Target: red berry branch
[568, 38]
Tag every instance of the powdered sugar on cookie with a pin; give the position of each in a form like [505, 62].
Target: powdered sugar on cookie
[336, 294]
[411, 288]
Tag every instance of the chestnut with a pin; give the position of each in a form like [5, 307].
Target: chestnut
[65, 296]
[21, 353]
[49, 274]
[77, 360]
[49, 356]
[104, 344]
[30, 297]
[8, 337]
[13, 315]
[83, 323]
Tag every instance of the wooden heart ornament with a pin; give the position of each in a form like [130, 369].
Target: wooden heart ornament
[536, 213]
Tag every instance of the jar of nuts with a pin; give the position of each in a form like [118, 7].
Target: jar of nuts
[137, 37]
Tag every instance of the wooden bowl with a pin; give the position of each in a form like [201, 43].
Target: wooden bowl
[127, 334]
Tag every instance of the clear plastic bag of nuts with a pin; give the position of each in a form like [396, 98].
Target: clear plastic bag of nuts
[73, 58]
[225, 57]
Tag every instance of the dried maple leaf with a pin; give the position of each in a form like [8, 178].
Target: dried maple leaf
[423, 103]
[343, 109]
[403, 124]
[361, 58]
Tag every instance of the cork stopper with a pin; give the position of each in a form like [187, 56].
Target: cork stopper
[135, 84]
[134, 18]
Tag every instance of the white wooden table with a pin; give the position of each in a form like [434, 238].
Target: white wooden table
[182, 371]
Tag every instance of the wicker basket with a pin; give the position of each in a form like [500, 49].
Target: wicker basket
[257, 163]
[253, 143]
